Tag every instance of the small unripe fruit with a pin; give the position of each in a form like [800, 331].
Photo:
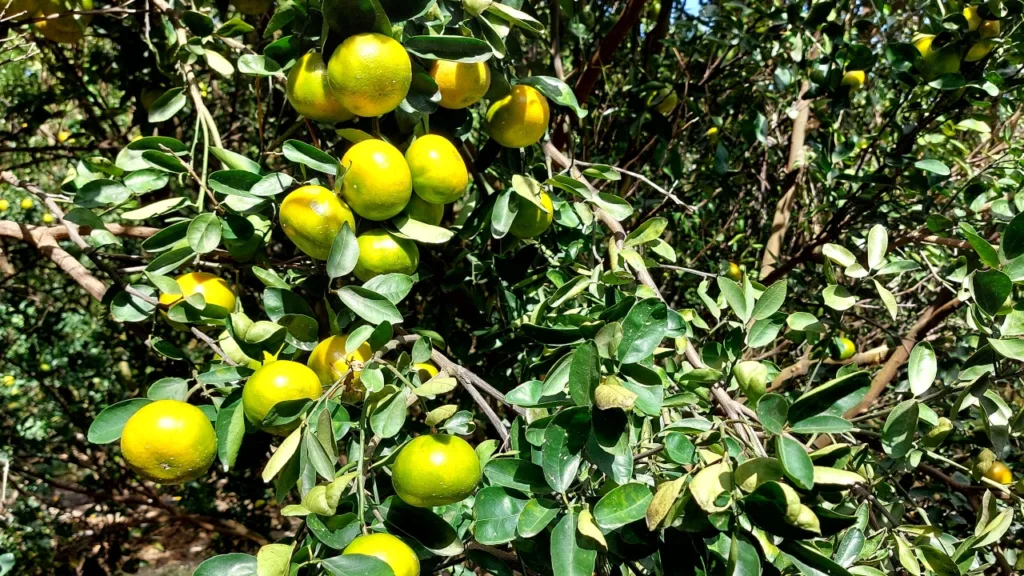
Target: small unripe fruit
[752, 377]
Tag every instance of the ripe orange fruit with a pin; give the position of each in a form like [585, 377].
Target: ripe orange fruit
[519, 119]
[371, 73]
[395, 553]
[381, 252]
[169, 441]
[435, 470]
[461, 84]
[220, 300]
[277, 382]
[439, 174]
[377, 183]
[531, 221]
[310, 93]
[311, 216]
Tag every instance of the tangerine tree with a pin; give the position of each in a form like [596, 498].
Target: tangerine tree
[481, 286]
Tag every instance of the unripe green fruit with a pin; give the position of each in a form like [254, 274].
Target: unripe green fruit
[752, 377]
[934, 438]
[476, 7]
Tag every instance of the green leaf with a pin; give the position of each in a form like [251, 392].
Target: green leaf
[234, 27]
[1008, 348]
[234, 161]
[167, 105]
[772, 412]
[356, 565]
[369, 305]
[395, 287]
[736, 297]
[878, 244]
[564, 439]
[422, 232]
[922, 368]
[125, 307]
[887, 299]
[810, 561]
[743, 557]
[850, 547]
[163, 161]
[230, 430]
[389, 415]
[302, 153]
[535, 517]
[933, 166]
[344, 253]
[283, 454]
[227, 564]
[496, 515]
[796, 464]
[521, 475]
[274, 559]
[455, 48]
[204, 233]
[642, 330]
[711, 483]
[584, 374]
[255, 65]
[764, 332]
[805, 322]
[821, 398]
[503, 213]
[837, 297]
[646, 232]
[168, 389]
[622, 505]
[109, 423]
[422, 526]
[824, 424]
[771, 301]
[571, 553]
[148, 180]
[158, 208]
[1012, 240]
[900, 428]
[991, 288]
[101, 192]
[556, 90]
[937, 561]
[839, 255]
[981, 246]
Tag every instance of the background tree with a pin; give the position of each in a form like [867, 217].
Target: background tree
[725, 288]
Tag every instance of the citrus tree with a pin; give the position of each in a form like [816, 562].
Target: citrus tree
[481, 286]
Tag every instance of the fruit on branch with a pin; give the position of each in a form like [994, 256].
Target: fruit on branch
[435, 470]
[425, 370]
[169, 441]
[253, 7]
[311, 216]
[216, 292]
[998, 472]
[853, 79]
[330, 362]
[371, 73]
[519, 119]
[944, 60]
[309, 91]
[276, 382]
[530, 220]
[377, 183]
[27, 203]
[732, 271]
[842, 348]
[420, 209]
[381, 252]
[664, 101]
[389, 549]
[439, 173]
[461, 84]
[4, 205]
[752, 377]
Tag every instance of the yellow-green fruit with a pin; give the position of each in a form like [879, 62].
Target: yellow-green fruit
[732, 271]
[425, 370]
[371, 72]
[45, 367]
[216, 292]
[4, 205]
[312, 216]
[752, 377]
[67, 29]
[519, 119]
[972, 16]
[277, 382]
[253, 7]
[47, 218]
[310, 93]
[392, 551]
[945, 60]
[435, 470]
[439, 174]
[989, 29]
[377, 183]
[530, 220]
[998, 472]
[667, 104]
[420, 209]
[462, 84]
[854, 79]
[329, 361]
[169, 441]
[843, 349]
[27, 204]
[381, 252]
[979, 50]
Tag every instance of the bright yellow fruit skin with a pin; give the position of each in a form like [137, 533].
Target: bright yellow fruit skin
[439, 174]
[420, 209]
[4, 205]
[667, 104]
[462, 84]
[377, 183]
[733, 272]
[311, 216]
[170, 442]
[844, 349]
[936, 62]
[310, 93]
[395, 553]
[854, 79]
[329, 361]
[998, 472]
[27, 203]
[371, 72]
[276, 382]
[426, 370]
[214, 289]
[973, 18]
[519, 119]
[253, 7]
[435, 470]
[531, 221]
[66, 29]
[979, 50]
[381, 252]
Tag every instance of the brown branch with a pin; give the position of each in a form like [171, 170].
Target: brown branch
[609, 44]
[784, 208]
[802, 367]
